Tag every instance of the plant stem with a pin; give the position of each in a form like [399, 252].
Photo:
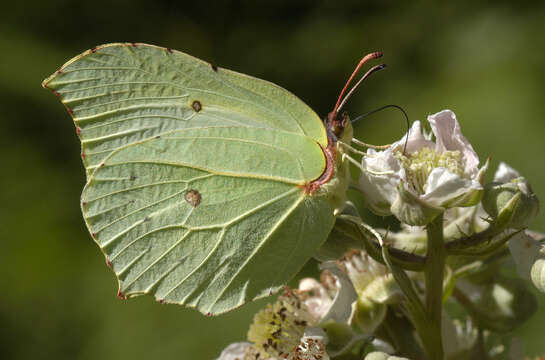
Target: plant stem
[434, 273]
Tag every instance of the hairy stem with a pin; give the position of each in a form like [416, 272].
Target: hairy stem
[434, 273]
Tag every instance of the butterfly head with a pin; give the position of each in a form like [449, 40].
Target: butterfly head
[335, 124]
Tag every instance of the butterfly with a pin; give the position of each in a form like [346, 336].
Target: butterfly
[205, 187]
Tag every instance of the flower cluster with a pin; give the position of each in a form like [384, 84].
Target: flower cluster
[383, 294]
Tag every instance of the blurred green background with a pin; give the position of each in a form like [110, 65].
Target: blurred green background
[485, 62]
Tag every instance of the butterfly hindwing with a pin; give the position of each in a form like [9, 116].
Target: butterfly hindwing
[201, 237]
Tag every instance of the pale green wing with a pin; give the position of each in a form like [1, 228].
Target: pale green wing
[196, 174]
[119, 94]
[210, 218]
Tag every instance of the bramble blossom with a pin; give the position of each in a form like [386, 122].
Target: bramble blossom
[417, 182]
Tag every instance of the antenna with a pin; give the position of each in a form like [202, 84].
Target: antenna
[386, 107]
[365, 76]
[366, 58]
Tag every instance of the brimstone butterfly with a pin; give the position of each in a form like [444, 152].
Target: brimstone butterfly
[205, 187]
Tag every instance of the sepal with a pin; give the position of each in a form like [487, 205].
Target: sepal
[410, 209]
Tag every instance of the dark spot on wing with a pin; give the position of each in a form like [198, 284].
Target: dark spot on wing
[214, 67]
[193, 197]
[132, 178]
[196, 105]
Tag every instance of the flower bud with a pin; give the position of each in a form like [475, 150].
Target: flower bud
[509, 199]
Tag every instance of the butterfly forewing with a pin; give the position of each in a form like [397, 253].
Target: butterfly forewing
[119, 94]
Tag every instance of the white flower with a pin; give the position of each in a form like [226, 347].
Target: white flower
[419, 182]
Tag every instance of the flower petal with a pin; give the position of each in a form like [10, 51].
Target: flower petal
[446, 189]
[320, 303]
[380, 190]
[341, 309]
[448, 136]
[235, 351]
[416, 140]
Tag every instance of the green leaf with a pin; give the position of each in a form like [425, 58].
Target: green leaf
[197, 176]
